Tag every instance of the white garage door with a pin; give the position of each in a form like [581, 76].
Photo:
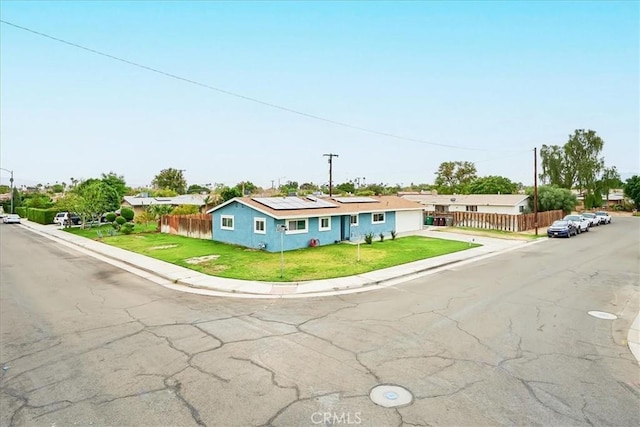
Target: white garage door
[408, 221]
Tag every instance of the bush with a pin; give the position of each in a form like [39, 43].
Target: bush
[121, 220]
[111, 217]
[185, 210]
[127, 213]
[381, 237]
[368, 238]
[41, 216]
[393, 234]
[127, 228]
[22, 211]
[143, 218]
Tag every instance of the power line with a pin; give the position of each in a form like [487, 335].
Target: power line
[246, 98]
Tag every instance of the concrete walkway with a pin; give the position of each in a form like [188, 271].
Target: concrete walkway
[233, 287]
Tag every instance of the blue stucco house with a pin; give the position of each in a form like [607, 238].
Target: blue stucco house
[298, 222]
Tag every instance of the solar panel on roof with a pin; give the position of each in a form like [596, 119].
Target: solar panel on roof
[354, 199]
[292, 203]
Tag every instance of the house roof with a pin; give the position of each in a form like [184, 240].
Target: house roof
[378, 204]
[468, 199]
[185, 199]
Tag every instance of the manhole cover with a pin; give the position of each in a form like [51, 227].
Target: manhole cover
[390, 396]
[603, 315]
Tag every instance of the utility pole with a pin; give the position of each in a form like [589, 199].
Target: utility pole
[330, 156]
[535, 188]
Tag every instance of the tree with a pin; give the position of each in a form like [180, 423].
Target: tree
[247, 186]
[455, 177]
[156, 211]
[492, 185]
[4, 189]
[172, 179]
[632, 190]
[609, 180]
[553, 198]
[346, 187]
[576, 163]
[309, 186]
[229, 193]
[185, 210]
[116, 182]
[98, 198]
[197, 189]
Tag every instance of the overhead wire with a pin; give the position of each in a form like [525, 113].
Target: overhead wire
[248, 98]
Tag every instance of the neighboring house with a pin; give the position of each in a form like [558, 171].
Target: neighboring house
[512, 204]
[140, 202]
[310, 221]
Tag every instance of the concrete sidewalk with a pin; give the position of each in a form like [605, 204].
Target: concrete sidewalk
[368, 281]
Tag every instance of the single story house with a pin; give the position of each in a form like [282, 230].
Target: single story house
[140, 202]
[512, 204]
[298, 222]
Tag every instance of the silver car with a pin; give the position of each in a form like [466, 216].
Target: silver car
[580, 222]
[595, 220]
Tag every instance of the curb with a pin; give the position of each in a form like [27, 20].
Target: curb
[275, 289]
[633, 338]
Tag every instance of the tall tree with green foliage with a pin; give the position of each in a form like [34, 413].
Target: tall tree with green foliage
[552, 198]
[455, 177]
[117, 182]
[609, 180]
[576, 163]
[632, 190]
[172, 179]
[492, 185]
[228, 193]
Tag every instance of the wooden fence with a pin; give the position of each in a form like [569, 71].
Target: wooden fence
[198, 226]
[505, 222]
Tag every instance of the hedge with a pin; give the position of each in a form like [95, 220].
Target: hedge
[41, 216]
[22, 211]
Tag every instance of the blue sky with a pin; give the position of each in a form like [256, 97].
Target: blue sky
[497, 78]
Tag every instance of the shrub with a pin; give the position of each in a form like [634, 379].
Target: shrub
[368, 238]
[127, 213]
[185, 210]
[143, 218]
[111, 217]
[127, 228]
[381, 237]
[393, 234]
[121, 220]
[41, 216]
[21, 210]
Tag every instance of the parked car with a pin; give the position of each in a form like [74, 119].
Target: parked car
[581, 223]
[605, 218]
[562, 228]
[595, 219]
[11, 219]
[66, 218]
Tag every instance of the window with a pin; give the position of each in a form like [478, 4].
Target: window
[377, 218]
[324, 224]
[442, 208]
[296, 226]
[472, 209]
[354, 220]
[521, 209]
[259, 225]
[226, 222]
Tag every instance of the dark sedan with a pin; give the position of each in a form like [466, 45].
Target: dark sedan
[562, 229]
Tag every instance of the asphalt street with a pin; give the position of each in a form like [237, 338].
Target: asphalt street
[505, 340]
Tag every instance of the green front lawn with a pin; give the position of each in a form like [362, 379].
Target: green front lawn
[95, 232]
[322, 262]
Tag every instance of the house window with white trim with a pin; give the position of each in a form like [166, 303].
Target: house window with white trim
[472, 208]
[354, 220]
[226, 222]
[377, 218]
[521, 209]
[324, 224]
[297, 226]
[259, 226]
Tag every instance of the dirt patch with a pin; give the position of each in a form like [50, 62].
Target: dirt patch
[163, 247]
[201, 259]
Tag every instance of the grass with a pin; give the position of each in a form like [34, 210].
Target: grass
[322, 262]
[92, 233]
